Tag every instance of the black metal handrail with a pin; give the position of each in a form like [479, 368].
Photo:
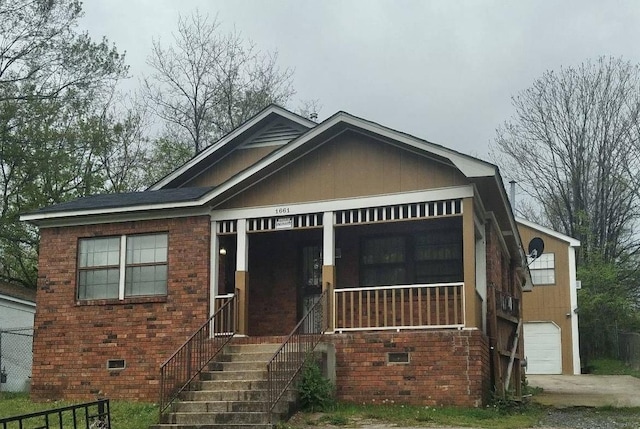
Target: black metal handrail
[190, 359]
[73, 416]
[287, 361]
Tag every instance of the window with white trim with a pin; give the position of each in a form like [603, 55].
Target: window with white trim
[122, 267]
[543, 270]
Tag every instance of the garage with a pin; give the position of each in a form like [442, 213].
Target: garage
[543, 348]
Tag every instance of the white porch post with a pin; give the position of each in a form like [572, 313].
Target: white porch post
[215, 268]
[242, 277]
[328, 263]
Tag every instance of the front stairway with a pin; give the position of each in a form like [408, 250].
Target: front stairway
[231, 393]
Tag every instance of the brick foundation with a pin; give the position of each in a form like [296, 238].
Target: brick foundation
[445, 367]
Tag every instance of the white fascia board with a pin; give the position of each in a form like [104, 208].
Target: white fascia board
[230, 137]
[344, 203]
[572, 241]
[69, 219]
[18, 300]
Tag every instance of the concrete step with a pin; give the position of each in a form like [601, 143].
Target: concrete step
[237, 366]
[231, 395]
[230, 385]
[252, 348]
[263, 357]
[249, 375]
[219, 418]
[228, 407]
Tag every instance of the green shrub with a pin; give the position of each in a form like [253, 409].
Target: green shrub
[316, 392]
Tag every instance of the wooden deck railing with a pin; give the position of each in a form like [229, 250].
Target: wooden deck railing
[399, 307]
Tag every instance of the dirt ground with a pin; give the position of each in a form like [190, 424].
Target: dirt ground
[572, 398]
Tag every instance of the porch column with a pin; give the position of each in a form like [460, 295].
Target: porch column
[242, 277]
[215, 267]
[469, 258]
[328, 264]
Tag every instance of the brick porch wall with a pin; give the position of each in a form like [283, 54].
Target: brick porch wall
[73, 340]
[446, 368]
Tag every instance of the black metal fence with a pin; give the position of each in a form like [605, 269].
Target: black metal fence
[288, 360]
[189, 360]
[16, 358]
[90, 415]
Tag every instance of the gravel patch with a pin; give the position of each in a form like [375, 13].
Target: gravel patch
[591, 418]
[554, 418]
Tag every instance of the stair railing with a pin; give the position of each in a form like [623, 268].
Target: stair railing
[290, 357]
[193, 356]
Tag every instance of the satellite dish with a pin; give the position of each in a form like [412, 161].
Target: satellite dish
[536, 247]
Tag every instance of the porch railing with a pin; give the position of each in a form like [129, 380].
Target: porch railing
[426, 306]
[90, 415]
[190, 359]
[288, 360]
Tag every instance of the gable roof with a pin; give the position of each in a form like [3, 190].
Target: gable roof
[569, 240]
[16, 292]
[273, 123]
[167, 198]
[167, 194]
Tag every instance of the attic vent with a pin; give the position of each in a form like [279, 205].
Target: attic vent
[275, 135]
[399, 212]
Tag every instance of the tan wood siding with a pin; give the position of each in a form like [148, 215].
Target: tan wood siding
[230, 165]
[349, 166]
[552, 302]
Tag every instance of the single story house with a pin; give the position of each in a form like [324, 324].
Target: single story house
[415, 245]
[550, 310]
[17, 309]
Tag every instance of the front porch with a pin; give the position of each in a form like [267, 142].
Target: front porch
[400, 267]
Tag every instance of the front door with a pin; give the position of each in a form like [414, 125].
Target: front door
[311, 286]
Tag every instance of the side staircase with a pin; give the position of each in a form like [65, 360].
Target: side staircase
[232, 392]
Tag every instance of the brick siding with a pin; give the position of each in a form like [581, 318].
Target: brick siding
[73, 340]
[445, 368]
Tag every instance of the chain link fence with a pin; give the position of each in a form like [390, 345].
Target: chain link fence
[16, 358]
[630, 348]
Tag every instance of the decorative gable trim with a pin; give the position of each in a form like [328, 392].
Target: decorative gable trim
[202, 156]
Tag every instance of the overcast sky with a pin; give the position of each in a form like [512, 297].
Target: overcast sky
[443, 71]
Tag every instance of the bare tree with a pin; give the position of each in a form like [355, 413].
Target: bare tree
[207, 83]
[573, 145]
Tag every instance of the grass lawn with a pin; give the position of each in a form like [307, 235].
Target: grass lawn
[124, 415]
[611, 367]
[490, 417]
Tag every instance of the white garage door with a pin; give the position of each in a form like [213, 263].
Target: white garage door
[543, 348]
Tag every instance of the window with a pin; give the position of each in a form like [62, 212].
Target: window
[119, 267]
[384, 261]
[438, 256]
[543, 270]
[433, 256]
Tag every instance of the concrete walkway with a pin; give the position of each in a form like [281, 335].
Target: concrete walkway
[587, 390]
